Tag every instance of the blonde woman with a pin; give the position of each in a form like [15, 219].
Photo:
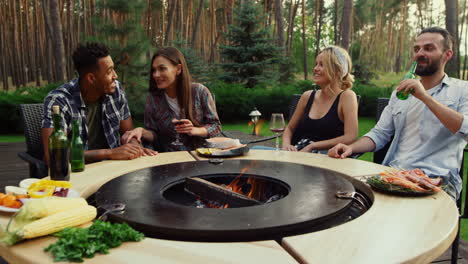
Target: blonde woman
[328, 116]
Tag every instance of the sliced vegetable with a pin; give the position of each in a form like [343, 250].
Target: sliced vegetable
[45, 188]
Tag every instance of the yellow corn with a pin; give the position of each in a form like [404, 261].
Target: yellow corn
[39, 208]
[58, 221]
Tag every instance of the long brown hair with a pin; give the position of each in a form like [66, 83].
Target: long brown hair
[183, 81]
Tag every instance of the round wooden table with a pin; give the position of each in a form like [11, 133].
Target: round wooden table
[394, 230]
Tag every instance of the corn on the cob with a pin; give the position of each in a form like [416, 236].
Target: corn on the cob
[39, 208]
[58, 221]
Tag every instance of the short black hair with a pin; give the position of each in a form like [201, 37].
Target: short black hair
[448, 39]
[86, 56]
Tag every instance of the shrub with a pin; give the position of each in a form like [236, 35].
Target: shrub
[234, 102]
[9, 105]
[369, 95]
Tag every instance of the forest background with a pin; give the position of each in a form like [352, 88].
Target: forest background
[248, 53]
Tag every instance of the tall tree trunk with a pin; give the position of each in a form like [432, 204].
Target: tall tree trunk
[346, 20]
[170, 16]
[17, 81]
[3, 48]
[292, 18]
[197, 23]
[37, 45]
[451, 23]
[212, 31]
[279, 22]
[420, 16]
[318, 32]
[336, 35]
[57, 41]
[304, 42]
[401, 45]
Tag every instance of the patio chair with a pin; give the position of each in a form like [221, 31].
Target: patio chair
[31, 115]
[380, 155]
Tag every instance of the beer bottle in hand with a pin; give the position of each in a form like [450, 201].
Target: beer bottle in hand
[409, 75]
[59, 154]
[76, 149]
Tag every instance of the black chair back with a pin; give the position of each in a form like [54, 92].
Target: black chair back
[292, 106]
[31, 115]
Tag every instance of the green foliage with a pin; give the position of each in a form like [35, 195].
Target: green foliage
[200, 71]
[10, 101]
[369, 95]
[234, 102]
[128, 46]
[251, 55]
[362, 73]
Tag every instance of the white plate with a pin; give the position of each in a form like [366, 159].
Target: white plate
[71, 194]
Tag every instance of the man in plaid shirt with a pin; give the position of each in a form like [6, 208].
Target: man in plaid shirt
[97, 100]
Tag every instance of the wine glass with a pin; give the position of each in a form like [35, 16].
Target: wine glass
[177, 144]
[277, 126]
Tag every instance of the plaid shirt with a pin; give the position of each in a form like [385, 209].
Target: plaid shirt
[68, 97]
[158, 118]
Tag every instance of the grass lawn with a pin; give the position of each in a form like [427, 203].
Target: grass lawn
[12, 138]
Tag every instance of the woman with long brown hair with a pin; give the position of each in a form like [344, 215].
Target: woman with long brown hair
[175, 105]
[328, 116]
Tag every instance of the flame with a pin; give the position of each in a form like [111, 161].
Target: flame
[258, 126]
[256, 188]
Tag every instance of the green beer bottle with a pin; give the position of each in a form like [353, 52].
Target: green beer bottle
[59, 152]
[76, 149]
[409, 75]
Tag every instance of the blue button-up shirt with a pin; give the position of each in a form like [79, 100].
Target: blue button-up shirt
[68, 97]
[440, 152]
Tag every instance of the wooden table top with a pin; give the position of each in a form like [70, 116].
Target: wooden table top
[394, 230]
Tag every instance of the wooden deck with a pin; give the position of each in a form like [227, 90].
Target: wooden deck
[13, 169]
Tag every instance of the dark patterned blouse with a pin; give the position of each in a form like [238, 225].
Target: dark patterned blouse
[158, 119]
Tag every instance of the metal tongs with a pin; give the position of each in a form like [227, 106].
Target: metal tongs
[116, 208]
[358, 197]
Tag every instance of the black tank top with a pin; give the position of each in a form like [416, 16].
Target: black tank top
[328, 127]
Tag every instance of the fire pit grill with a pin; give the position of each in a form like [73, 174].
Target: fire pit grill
[309, 202]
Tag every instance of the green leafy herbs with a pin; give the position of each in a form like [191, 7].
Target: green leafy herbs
[75, 243]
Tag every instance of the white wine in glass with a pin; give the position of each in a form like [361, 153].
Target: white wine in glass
[277, 126]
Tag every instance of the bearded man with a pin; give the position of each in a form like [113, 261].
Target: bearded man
[429, 129]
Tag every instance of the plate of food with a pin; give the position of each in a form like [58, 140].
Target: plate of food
[15, 196]
[405, 183]
[220, 147]
[223, 153]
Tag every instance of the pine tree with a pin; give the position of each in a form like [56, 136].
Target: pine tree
[251, 55]
[123, 34]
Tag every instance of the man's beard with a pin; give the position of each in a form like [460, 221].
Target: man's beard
[429, 69]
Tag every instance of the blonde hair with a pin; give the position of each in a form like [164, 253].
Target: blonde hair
[334, 69]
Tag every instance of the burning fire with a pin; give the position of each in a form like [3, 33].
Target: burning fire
[256, 191]
[256, 188]
[258, 126]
